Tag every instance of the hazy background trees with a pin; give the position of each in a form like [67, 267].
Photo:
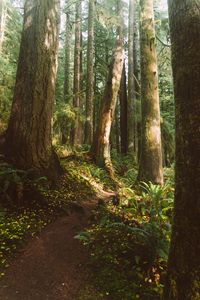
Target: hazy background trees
[66, 113]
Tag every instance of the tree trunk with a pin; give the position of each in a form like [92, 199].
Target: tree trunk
[115, 130]
[28, 138]
[150, 168]
[101, 144]
[183, 281]
[136, 59]
[89, 86]
[67, 92]
[2, 21]
[117, 127]
[96, 92]
[76, 132]
[67, 85]
[123, 112]
[131, 84]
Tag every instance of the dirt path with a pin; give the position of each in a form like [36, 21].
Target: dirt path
[53, 266]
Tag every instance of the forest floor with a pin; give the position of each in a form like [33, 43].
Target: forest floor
[77, 240]
[53, 265]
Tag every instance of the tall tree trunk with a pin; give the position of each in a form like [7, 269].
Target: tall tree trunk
[101, 145]
[136, 49]
[117, 127]
[115, 130]
[123, 112]
[76, 132]
[96, 92]
[131, 84]
[150, 168]
[64, 135]
[28, 138]
[89, 86]
[136, 59]
[2, 21]
[183, 282]
[67, 85]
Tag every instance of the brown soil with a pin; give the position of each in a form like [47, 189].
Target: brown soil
[53, 265]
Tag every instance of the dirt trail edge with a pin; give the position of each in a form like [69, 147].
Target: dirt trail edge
[53, 265]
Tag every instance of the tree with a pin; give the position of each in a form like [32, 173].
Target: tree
[89, 84]
[2, 21]
[136, 60]
[76, 132]
[8, 61]
[67, 87]
[150, 167]
[28, 137]
[183, 280]
[123, 112]
[131, 84]
[101, 144]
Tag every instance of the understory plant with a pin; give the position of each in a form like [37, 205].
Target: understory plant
[129, 244]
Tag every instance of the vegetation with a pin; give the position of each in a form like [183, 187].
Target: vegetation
[87, 115]
[135, 267]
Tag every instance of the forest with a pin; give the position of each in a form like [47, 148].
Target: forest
[100, 149]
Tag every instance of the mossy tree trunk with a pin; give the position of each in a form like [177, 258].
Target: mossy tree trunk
[101, 144]
[28, 138]
[131, 83]
[150, 166]
[89, 86]
[115, 130]
[136, 59]
[96, 98]
[67, 79]
[67, 91]
[183, 280]
[123, 112]
[77, 128]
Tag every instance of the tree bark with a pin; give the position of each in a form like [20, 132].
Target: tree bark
[76, 132]
[101, 144]
[150, 167]
[137, 83]
[123, 112]
[28, 138]
[67, 85]
[89, 86]
[131, 83]
[117, 126]
[183, 280]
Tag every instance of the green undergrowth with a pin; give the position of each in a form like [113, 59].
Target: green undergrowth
[28, 204]
[83, 169]
[129, 243]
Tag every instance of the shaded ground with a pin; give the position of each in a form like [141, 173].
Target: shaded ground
[53, 265]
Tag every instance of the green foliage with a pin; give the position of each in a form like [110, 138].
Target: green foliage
[8, 62]
[168, 142]
[15, 228]
[13, 183]
[169, 175]
[129, 244]
[80, 166]
[157, 200]
[64, 117]
[28, 203]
